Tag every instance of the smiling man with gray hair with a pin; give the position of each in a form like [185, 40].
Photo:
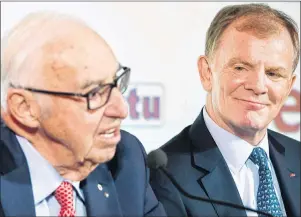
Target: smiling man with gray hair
[62, 150]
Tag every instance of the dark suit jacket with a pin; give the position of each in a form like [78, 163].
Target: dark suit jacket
[125, 178]
[197, 164]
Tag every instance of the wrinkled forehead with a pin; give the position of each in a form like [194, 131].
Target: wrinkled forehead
[274, 51]
[70, 61]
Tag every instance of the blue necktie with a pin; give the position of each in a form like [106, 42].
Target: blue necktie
[267, 200]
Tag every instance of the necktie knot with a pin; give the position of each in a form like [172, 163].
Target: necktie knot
[259, 157]
[64, 196]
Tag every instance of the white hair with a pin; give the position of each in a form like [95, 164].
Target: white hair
[30, 33]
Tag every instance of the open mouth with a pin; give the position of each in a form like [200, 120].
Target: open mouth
[110, 136]
[108, 133]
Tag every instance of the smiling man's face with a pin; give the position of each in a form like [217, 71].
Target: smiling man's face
[251, 78]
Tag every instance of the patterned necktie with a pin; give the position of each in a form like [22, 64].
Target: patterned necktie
[267, 200]
[64, 196]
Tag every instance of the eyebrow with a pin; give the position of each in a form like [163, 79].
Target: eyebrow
[276, 69]
[89, 83]
[238, 60]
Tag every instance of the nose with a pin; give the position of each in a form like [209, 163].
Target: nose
[257, 82]
[116, 106]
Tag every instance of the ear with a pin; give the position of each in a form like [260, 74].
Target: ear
[23, 107]
[205, 73]
[292, 81]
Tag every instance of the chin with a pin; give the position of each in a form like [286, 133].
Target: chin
[111, 153]
[251, 125]
[253, 119]
[80, 173]
[103, 155]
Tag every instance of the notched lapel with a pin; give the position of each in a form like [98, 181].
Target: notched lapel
[216, 181]
[289, 184]
[101, 198]
[16, 193]
[218, 184]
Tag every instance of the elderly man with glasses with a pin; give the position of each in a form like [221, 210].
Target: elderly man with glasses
[62, 150]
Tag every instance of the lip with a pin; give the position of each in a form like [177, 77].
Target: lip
[111, 141]
[103, 130]
[253, 105]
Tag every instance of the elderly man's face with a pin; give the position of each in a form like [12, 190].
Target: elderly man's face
[251, 78]
[78, 64]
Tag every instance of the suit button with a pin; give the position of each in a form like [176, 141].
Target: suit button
[106, 194]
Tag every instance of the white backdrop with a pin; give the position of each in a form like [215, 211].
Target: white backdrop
[161, 42]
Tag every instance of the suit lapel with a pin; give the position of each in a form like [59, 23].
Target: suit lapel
[100, 193]
[288, 176]
[216, 179]
[16, 193]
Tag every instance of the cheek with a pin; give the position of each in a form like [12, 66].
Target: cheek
[70, 122]
[82, 123]
[278, 94]
[228, 87]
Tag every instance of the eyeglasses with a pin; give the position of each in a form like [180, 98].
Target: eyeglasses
[98, 96]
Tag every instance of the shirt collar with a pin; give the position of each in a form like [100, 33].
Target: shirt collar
[44, 178]
[235, 150]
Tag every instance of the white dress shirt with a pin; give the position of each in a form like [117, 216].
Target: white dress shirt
[236, 152]
[45, 180]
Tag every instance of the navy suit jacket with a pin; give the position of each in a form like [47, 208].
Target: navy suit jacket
[199, 167]
[125, 178]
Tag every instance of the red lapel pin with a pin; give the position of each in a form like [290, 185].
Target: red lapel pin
[292, 175]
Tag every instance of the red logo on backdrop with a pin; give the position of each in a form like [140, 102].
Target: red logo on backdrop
[281, 123]
[145, 104]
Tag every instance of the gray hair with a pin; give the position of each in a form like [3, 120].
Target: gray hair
[24, 38]
[262, 18]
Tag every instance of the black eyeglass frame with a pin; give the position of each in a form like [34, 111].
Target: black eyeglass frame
[126, 72]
